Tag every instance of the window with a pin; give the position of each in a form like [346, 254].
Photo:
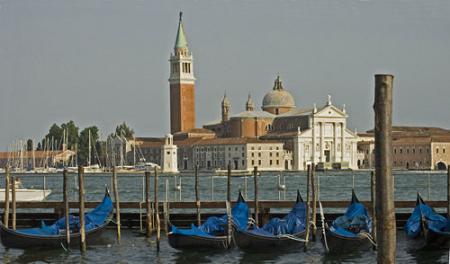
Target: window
[414, 151]
[437, 150]
[401, 151]
[253, 162]
[278, 154]
[270, 162]
[243, 163]
[420, 150]
[443, 150]
[259, 154]
[259, 162]
[407, 150]
[395, 151]
[242, 154]
[253, 154]
[270, 154]
[278, 162]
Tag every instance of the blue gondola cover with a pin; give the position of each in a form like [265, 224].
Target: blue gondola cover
[93, 219]
[434, 221]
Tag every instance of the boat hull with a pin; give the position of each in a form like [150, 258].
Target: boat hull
[27, 195]
[337, 243]
[178, 241]
[13, 239]
[248, 241]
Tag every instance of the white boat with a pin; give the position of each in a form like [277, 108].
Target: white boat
[27, 195]
[2, 170]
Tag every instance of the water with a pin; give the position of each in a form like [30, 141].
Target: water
[135, 248]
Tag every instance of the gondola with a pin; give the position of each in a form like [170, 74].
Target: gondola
[212, 233]
[281, 234]
[54, 235]
[351, 231]
[429, 229]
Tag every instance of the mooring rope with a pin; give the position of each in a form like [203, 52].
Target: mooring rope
[292, 237]
[65, 249]
[369, 237]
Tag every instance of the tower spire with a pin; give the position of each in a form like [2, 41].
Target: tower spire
[180, 41]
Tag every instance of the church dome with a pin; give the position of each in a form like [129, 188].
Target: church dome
[278, 97]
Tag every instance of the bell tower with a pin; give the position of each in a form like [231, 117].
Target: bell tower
[182, 84]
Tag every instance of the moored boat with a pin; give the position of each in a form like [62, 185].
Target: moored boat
[212, 234]
[54, 236]
[351, 231]
[279, 234]
[427, 228]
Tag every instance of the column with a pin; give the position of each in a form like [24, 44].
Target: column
[335, 142]
[322, 143]
[342, 142]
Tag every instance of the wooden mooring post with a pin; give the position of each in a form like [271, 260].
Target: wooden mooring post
[116, 201]
[314, 201]
[385, 210]
[197, 197]
[228, 206]
[448, 191]
[81, 209]
[255, 182]
[373, 203]
[157, 222]
[6, 209]
[308, 205]
[66, 206]
[148, 229]
[13, 201]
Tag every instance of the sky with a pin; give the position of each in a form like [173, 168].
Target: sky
[102, 62]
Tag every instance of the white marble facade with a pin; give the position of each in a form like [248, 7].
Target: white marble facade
[326, 141]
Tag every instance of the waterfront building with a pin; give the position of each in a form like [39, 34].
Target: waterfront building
[414, 148]
[213, 154]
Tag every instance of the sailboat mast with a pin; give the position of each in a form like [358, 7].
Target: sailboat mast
[89, 155]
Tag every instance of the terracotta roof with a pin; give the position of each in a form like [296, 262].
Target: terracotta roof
[38, 154]
[233, 141]
[254, 114]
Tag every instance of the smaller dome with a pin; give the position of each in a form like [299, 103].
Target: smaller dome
[278, 97]
[225, 101]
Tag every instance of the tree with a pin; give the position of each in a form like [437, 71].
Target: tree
[54, 133]
[29, 145]
[83, 147]
[123, 130]
[72, 134]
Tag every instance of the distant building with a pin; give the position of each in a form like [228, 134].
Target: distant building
[415, 148]
[169, 155]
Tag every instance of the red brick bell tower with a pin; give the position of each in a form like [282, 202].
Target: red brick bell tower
[182, 85]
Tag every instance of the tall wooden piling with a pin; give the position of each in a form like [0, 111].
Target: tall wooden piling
[385, 210]
[373, 199]
[255, 182]
[66, 206]
[314, 201]
[148, 230]
[13, 201]
[228, 205]
[116, 201]
[448, 191]
[308, 205]
[229, 182]
[81, 208]
[158, 227]
[197, 197]
[7, 188]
